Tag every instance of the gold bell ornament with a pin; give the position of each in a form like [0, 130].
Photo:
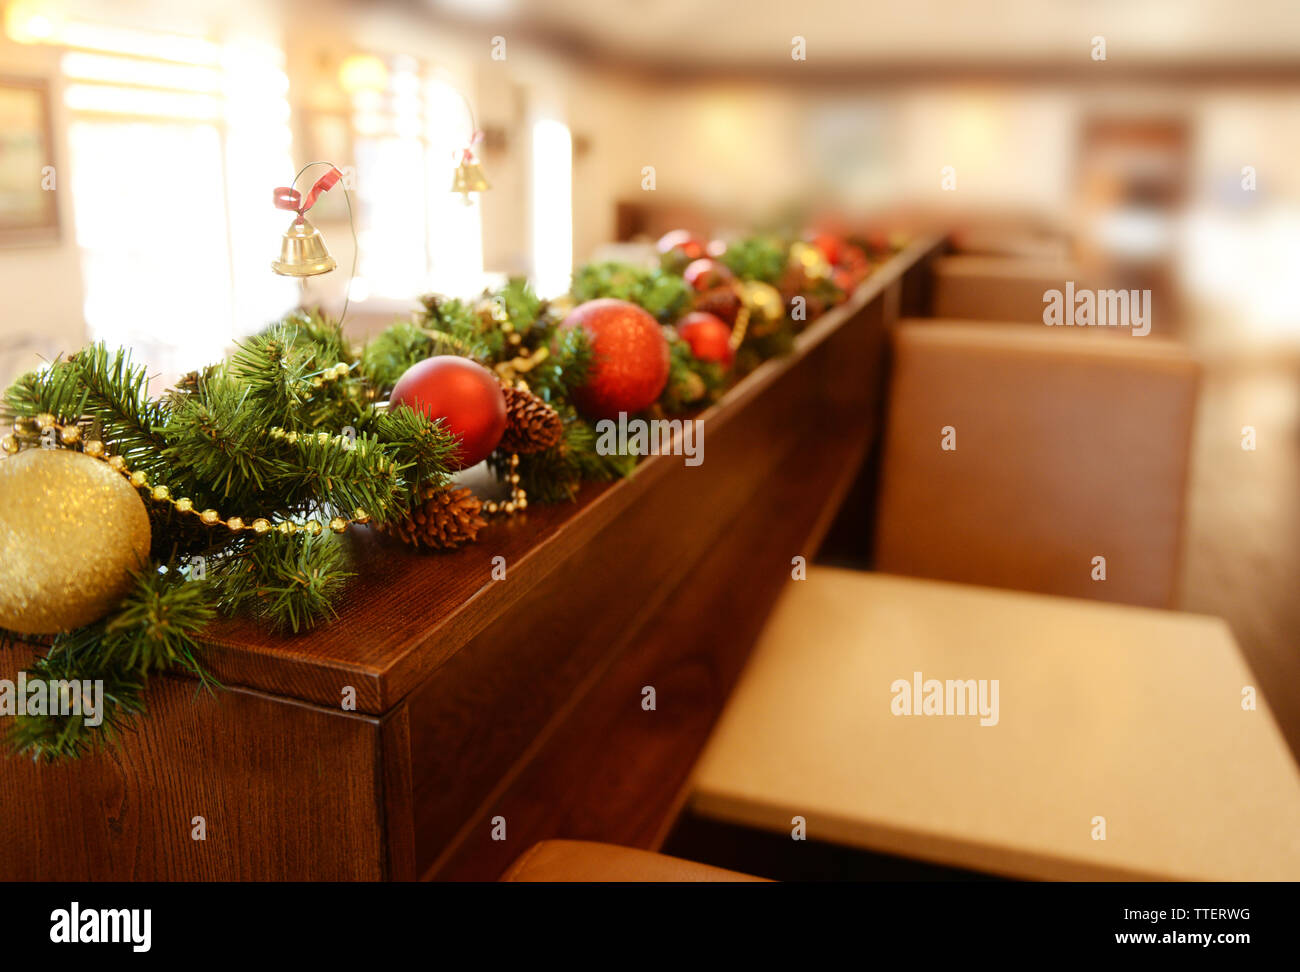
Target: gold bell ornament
[302, 251]
[469, 176]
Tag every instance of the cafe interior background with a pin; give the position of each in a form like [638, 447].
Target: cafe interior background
[158, 130]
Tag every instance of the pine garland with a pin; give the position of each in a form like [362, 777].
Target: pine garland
[757, 258]
[663, 293]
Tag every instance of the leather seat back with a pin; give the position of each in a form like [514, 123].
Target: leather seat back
[997, 288]
[1071, 444]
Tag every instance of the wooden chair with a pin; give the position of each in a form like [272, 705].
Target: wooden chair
[587, 861]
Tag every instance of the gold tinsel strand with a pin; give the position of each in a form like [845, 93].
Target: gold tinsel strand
[27, 429]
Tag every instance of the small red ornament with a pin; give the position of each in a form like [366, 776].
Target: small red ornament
[465, 395]
[708, 336]
[852, 268]
[706, 274]
[830, 245]
[691, 247]
[629, 366]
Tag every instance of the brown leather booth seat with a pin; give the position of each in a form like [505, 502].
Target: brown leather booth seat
[581, 860]
[997, 288]
[1071, 444]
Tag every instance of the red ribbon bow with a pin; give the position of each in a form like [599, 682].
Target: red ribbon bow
[287, 197]
[467, 154]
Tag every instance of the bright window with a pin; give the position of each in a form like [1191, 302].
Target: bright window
[415, 235]
[552, 207]
[175, 143]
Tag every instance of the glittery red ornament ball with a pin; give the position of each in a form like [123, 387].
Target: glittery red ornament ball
[465, 395]
[629, 365]
[708, 336]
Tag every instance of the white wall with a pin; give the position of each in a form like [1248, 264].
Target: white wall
[40, 284]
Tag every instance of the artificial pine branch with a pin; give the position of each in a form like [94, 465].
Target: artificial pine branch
[665, 295]
[692, 383]
[757, 258]
[216, 443]
[338, 474]
[157, 623]
[155, 628]
[288, 581]
[321, 335]
[566, 367]
[422, 448]
[522, 306]
[272, 372]
[457, 328]
[52, 738]
[105, 390]
[388, 356]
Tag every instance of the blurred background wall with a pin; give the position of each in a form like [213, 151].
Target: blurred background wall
[169, 124]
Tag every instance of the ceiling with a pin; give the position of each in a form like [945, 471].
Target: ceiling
[704, 36]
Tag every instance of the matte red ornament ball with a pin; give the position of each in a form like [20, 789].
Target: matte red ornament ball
[629, 365]
[465, 395]
[708, 336]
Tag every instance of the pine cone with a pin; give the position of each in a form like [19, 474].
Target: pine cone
[443, 519]
[531, 424]
[721, 302]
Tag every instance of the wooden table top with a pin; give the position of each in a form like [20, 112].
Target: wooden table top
[406, 612]
[1126, 713]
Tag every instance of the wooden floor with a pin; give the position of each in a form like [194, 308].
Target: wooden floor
[1242, 559]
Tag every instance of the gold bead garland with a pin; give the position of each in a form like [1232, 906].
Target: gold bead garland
[70, 434]
[333, 373]
[518, 498]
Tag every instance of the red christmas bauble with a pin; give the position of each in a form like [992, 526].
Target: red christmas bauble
[629, 365]
[708, 336]
[465, 395]
[830, 245]
[691, 247]
[706, 274]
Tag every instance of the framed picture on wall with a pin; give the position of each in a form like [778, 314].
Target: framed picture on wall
[29, 211]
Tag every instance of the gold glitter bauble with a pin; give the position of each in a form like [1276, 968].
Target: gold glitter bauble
[71, 531]
[765, 303]
[810, 260]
